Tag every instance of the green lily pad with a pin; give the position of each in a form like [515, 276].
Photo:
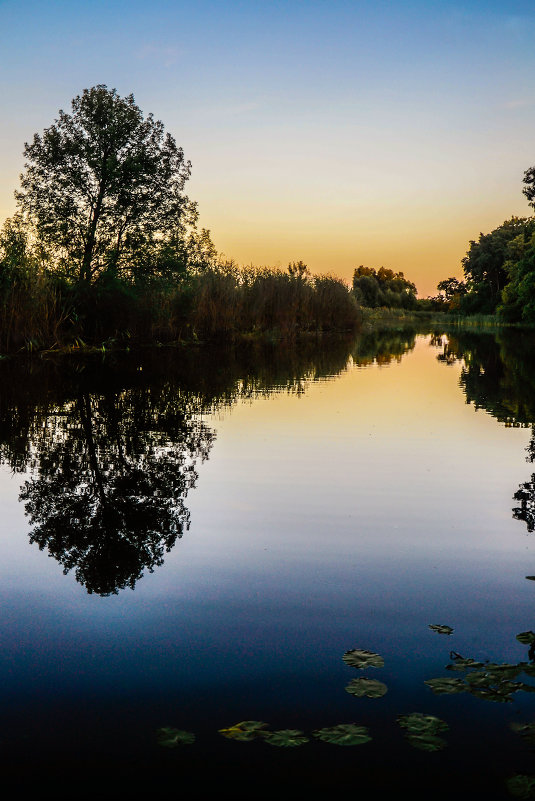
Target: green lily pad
[497, 694]
[344, 734]
[503, 671]
[440, 629]
[245, 730]
[417, 723]
[421, 731]
[371, 688]
[447, 686]
[526, 637]
[285, 738]
[363, 659]
[464, 664]
[171, 738]
[521, 786]
[525, 730]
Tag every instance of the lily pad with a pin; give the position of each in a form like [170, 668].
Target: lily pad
[526, 637]
[447, 686]
[344, 734]
[363, 659]
[172, 738]
[440, 629]
[371, 688]
[521, 786]
[464, 664]
[286, 738]
[417, 723]
[526, 731]
[421, 731]
[245, 730]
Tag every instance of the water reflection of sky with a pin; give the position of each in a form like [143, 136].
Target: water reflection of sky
[351, 516]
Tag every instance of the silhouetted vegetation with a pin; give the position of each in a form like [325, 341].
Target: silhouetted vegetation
[383, 288]
[104, 246]
[499, 270]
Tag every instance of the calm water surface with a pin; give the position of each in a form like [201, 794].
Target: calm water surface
[193, 540]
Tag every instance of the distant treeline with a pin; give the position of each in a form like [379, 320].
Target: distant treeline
[383, 288]
[499, 271]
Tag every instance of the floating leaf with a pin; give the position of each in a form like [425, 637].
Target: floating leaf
[464, 664]
[526, 731]
[497, 694]
[285, 738]
[416, 723]
[526, 637]
[245, 730]
[522, 786]
[421, 731]
[344, 734]
[363, 659]
[426, 742]
[371, 688]
[446, 686]
[441, 629]
[503, 671]
[171, 738]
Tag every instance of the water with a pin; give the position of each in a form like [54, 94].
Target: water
[193, 539]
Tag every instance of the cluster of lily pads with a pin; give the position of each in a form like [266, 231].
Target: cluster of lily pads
[489, 681]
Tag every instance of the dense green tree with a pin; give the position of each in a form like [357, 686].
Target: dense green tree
[103, 187]
[452, 290]
[383, 287]
[485, 264]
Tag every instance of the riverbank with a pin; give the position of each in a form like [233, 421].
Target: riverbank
[393, 318]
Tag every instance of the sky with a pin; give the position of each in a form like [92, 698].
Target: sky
[376, 132]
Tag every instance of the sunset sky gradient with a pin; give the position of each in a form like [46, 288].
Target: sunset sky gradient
[340, 133]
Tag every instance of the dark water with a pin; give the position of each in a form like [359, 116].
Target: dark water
[193, 539]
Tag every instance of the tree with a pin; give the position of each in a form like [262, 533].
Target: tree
[485, 264]
[103, 188]
[383, 288]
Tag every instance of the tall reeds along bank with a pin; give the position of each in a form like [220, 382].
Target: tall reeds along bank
[228, 302]
[42, 307]
[32, 311]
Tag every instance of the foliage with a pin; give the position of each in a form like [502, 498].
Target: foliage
[363, 659]
[486, 264]
[370, 688]
[441, 629]
[422, 731]
[244, 731]
[383, 287]
[343, 734]
[171, 738]
[286, 738]
[103, 189]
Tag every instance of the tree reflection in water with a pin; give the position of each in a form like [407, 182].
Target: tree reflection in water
[111, 449]
[498, 375]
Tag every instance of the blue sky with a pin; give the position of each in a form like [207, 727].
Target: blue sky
[336, 132]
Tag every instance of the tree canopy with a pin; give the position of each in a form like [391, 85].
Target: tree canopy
[383, 287]
[102, 188]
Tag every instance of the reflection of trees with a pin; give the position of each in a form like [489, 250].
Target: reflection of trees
[111, 475]
[110, 447]
[384, 346]
[498, 375]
